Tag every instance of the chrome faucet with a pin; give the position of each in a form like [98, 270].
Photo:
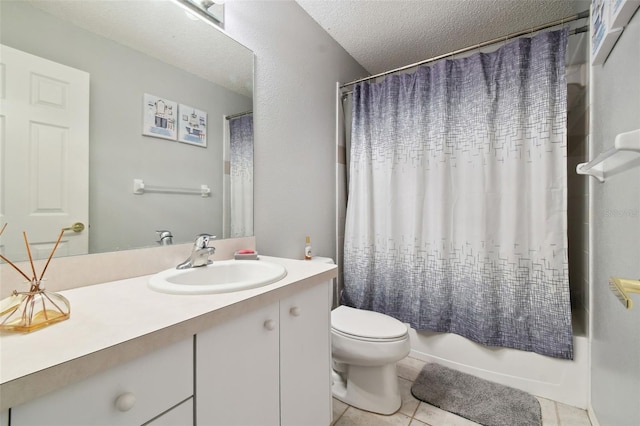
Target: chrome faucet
[166, 238]
[200, 254]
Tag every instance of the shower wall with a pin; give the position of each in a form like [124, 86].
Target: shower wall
[615, 247]
[578, 195]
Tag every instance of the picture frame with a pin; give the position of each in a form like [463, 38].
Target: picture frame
[603, 36]
[192, 126]
[621, 12]
[159, 117]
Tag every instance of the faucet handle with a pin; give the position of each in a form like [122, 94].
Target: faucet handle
[202, 240]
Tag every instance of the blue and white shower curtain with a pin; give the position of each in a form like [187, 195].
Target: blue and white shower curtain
[456, 217]
[241, 176]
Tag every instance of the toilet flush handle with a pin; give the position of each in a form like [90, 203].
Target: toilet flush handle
[295, 311]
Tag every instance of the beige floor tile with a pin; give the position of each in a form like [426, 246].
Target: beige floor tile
[431, 415]
[549, 413]
[572, 416]
[339, 408]
[415, 422]
[460, 421]
[436, 417]
[409, 368]
[355, 417]
[409, 402]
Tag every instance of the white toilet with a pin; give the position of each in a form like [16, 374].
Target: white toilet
[365, 348]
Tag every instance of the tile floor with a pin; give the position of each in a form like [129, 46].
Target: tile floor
[414, 412]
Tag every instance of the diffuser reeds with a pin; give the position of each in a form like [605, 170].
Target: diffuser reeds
[30, 310]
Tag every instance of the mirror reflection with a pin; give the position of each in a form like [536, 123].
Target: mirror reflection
[101, 94]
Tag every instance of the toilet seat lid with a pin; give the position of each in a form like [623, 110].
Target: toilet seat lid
[368, 324]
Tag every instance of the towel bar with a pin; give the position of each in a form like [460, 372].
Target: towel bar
[139, 187]
[621, 287]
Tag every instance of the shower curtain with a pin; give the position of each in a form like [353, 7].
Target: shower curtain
[456, 217]
[241, 176]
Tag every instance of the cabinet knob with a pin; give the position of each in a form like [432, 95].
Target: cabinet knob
[295, 311]
[270, 324]
[126, 401]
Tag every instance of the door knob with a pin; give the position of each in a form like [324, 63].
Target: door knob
[76, 227]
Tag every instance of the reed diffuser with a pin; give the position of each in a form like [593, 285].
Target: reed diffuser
[26, 311]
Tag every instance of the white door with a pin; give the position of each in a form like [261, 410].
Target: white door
[44, 155]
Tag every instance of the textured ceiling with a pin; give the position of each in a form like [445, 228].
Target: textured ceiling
[386, 34]
[161, 29]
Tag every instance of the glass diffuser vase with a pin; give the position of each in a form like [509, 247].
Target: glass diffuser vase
[31, 310]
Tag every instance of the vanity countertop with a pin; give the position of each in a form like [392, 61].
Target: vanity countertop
[114, 322]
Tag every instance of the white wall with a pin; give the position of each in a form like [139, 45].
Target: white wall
[297, 67]
[615, 243]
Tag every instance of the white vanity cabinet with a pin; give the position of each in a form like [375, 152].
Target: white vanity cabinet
[305, 358]
[182, 415]
[270, 366]
[237, 371]
[132, 393]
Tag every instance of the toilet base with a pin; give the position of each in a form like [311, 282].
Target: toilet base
[372, 389]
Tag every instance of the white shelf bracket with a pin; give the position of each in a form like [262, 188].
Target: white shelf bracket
[624, 155]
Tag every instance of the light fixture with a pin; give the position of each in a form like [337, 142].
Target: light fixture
[206, 10]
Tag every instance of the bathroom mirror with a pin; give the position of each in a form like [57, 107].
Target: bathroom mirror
[138, 54]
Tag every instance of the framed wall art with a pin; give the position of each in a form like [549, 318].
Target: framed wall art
[604, 28]
[192, 126]
[622, 11]
[159, 117]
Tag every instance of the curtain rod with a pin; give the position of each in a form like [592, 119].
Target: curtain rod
[562, 21]
[240, 114]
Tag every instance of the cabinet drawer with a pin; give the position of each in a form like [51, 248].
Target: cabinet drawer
[131, 393]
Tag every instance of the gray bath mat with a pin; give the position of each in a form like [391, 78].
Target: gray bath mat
[478, 400]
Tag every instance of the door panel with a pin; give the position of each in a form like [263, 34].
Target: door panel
[44, 154]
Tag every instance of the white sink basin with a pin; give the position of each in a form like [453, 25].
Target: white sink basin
[222, 276]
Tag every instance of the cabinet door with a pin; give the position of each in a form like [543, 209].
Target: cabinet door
[182, 415]
[128, 394]
[237, 371]
[305, 358]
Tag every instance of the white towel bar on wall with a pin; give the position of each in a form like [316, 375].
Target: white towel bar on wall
[139, 187]
[624, 155]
